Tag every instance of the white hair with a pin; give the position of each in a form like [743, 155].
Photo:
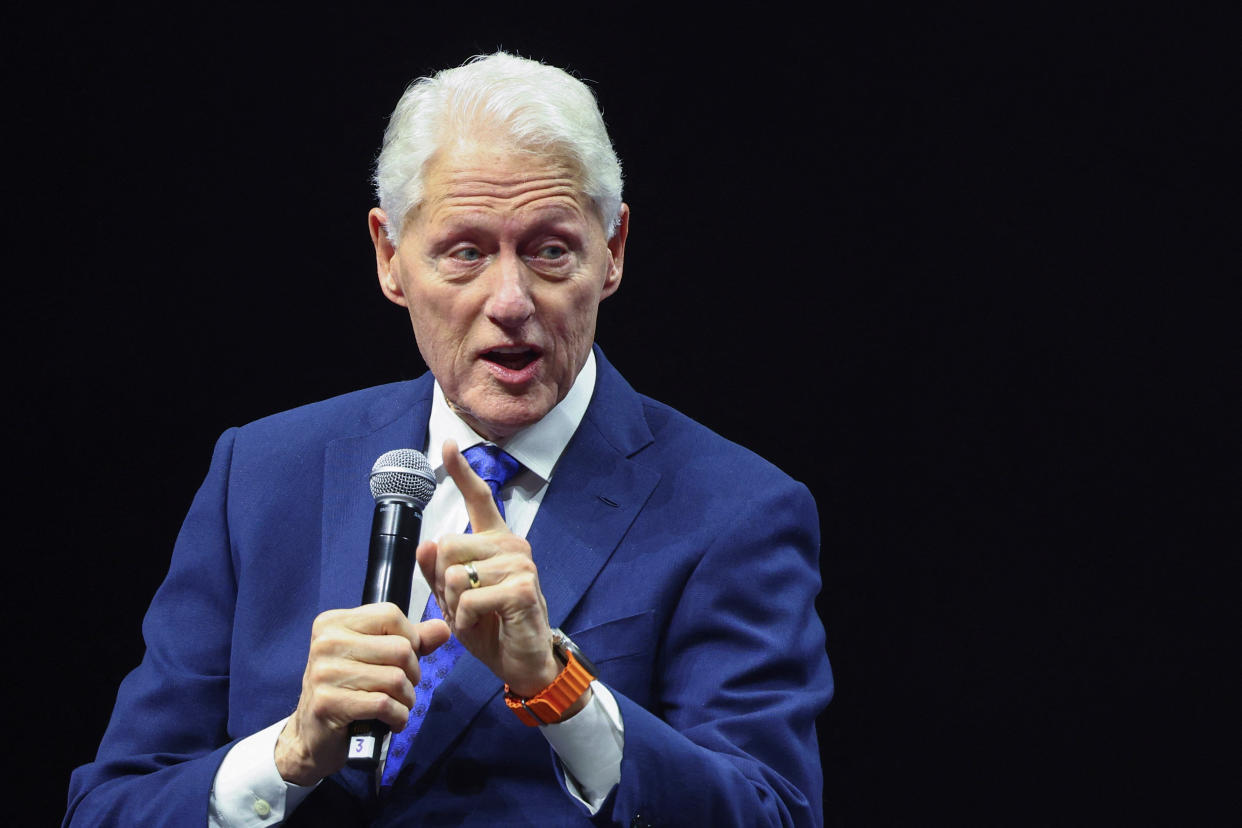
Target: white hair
[538, 107]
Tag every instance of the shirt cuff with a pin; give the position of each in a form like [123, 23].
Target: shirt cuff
[248, 790]
[589, 746]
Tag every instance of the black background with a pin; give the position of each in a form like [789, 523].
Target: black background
[958, 272]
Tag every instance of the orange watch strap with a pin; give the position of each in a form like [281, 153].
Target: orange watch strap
[549, 704]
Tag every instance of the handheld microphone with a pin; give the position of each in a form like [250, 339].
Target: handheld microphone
[401, 483]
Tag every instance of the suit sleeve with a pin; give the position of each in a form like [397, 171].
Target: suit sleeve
[742, 676]
[168, 732]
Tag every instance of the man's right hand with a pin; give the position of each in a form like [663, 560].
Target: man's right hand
[363, 664]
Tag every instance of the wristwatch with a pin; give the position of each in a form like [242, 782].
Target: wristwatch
[549, 704]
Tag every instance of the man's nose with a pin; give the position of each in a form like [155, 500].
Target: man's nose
[509, 305]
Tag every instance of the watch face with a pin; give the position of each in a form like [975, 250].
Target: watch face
[559, 639]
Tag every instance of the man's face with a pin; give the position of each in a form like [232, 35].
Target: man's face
[502, 268]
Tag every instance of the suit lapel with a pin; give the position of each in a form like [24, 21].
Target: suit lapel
[596, 492]
[595, 495]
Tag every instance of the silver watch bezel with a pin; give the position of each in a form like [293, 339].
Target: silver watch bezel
[562, 644]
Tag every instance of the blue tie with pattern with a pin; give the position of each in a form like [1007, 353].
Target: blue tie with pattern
[496, 468]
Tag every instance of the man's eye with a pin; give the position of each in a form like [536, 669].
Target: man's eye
[467, 254]
[551, 251]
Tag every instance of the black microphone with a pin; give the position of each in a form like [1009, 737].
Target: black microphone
[401, 483]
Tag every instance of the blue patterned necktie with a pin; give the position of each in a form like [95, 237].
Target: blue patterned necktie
[496, 468]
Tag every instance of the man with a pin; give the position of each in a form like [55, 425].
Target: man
[683, 566]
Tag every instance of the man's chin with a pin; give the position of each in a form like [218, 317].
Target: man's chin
[499, 420]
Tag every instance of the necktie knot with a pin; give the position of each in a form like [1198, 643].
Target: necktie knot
[494, 465]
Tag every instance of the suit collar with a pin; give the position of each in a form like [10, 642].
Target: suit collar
[617, 410]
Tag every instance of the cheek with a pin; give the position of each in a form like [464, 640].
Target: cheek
[577, 329]
[420, 321]
[584, 311]
[585, 325]
[431, 331]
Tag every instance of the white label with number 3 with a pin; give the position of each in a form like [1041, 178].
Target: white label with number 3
[361, 746]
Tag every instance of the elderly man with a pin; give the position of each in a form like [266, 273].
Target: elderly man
[609, 529]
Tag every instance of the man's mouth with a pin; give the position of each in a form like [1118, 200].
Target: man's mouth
[513, 358]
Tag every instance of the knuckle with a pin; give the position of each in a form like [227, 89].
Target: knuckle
[391, 681]
[526, 587]
[322, 705]
[317, 673]
[403, 688]
[513, 545]
[326, 644]
[395, 649]
[390, 711]
[322, 621]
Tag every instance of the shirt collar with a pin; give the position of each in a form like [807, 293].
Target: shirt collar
[537, 447]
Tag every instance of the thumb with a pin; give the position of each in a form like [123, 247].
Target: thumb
[431, 635]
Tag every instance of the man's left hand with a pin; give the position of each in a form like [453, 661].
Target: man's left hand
[503, 620]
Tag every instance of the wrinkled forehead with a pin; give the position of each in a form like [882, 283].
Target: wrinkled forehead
[502, 175]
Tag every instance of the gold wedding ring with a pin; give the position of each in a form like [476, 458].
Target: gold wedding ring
[472, 574]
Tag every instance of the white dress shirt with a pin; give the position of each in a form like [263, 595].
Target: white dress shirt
[249, 791]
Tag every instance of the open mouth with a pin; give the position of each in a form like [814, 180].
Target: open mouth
[512, 358]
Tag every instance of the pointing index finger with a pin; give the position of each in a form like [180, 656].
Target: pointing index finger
[481, 509]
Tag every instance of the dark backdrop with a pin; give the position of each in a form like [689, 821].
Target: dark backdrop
[944, 268]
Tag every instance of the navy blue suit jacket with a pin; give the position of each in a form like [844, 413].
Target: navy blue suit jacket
[683, 565]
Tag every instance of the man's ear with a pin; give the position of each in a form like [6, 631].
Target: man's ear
[616, 247]
[385, 257]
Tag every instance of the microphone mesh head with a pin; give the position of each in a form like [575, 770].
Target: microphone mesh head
[404, 474]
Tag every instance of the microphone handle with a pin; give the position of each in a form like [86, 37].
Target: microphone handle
[390, 574]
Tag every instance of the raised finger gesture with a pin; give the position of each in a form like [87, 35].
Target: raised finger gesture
[488, 587]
